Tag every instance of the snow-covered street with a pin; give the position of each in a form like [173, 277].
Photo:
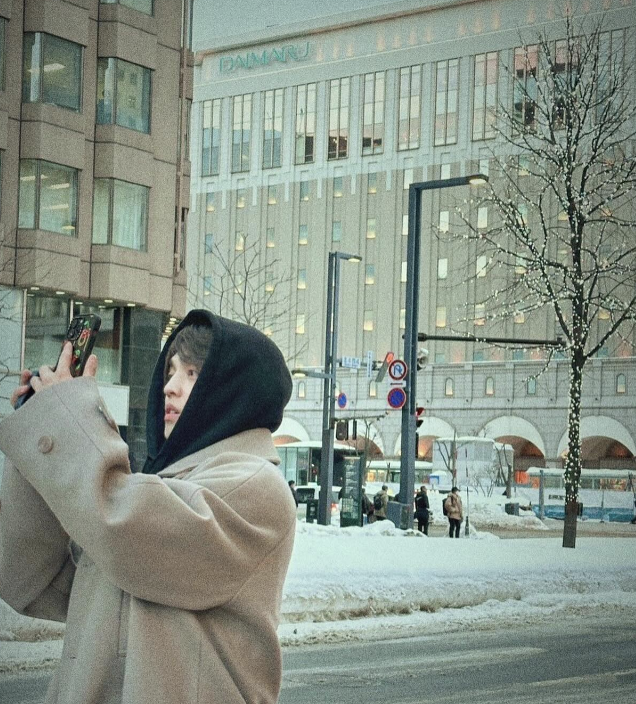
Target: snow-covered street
[347, 583]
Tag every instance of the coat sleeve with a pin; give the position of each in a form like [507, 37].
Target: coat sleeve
[36, 570]
[169, 541]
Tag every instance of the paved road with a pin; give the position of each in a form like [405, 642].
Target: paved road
[591, 660]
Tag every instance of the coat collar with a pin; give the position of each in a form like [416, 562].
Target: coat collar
[252, 442]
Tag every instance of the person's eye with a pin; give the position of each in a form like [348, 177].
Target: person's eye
[193, 373]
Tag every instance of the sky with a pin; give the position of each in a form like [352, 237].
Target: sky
[402, 583]
[219, 21]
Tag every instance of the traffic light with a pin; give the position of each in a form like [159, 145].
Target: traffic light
[342, 430]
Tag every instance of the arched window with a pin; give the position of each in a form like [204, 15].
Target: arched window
[621, 384]
[531, 386]
[490, 386]
[449, 387]
[302, 389]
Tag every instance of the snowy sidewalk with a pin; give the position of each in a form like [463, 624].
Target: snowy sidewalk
[375, 582]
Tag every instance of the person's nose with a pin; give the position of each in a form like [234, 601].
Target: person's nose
[172, 386]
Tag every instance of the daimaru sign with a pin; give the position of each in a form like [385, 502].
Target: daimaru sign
[252, 59]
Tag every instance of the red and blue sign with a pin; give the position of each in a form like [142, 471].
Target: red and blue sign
[342, 400]
[396, 397]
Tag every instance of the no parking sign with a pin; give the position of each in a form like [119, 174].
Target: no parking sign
[396, 397]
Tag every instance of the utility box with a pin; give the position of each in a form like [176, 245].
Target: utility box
[399, 514]
[512, 509]
[312, 511]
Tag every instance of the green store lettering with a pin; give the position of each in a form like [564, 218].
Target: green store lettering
[252, 59]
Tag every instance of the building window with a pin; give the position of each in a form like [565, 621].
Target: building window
[525, 87]
[272, 195]
[241, 132]
[531, 386]
[440, 358]
[405, 225]
[373, 389]
[612, 50]
[302, 234]
[273, 128]
[372, 183]
[621, 384]
[407, 179]
[444, 221]
[302, 279]
[207, 285]
[209, 243]
[489, 388]
[300, 324]
[338, 119]
[304, 191]
[52, 71]
[270, 285]
[445, 171]
[305, 123]
[480, 314]
[402, 318]
[564, 67]
[368, 320]
[211, 141]
[48, 197]
[120, 214]
[403, 272]
[485, 95]
[302, 389]
[409, 108]
[241, 197]
[270, 238]
[337, 186]
[449, 387]
[442, 268]
[446, 101]
[369, 277]
[210, 202]
[519, 318]
[144, 6]
[481, 266]
[336, 231]
[371, 228]
[520, 265]
[239, 242]
[123, 94]
[482, 217]
[373, 114]
[440, 317]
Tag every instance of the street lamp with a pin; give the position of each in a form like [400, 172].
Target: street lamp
[329, 376]
[407, 460]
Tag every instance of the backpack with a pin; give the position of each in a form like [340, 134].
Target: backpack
[377, 502]
[444, 507]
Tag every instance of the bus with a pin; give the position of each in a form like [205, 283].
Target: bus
[606, 494]
[387, 471]
[300, 462]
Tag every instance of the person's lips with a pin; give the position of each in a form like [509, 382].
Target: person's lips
[171, 414]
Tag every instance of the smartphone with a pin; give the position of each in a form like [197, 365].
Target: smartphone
[82, 333]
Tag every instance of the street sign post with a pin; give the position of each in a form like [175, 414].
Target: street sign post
[369, 363]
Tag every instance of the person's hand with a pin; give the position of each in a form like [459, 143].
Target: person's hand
[62, 372]
[25, 378]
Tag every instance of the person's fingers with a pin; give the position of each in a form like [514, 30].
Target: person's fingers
[91, 366]
[17, 392]
[66, 355]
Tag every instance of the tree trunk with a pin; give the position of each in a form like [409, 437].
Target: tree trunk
[573, 463]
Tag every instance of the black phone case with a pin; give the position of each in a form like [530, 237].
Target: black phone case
[82, 332]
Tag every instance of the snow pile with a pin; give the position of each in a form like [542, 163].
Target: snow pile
[488, 515]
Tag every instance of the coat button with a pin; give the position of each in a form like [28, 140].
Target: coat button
[45, 444]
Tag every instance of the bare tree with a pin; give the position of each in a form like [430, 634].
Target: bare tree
[564, 200]
[257, 291]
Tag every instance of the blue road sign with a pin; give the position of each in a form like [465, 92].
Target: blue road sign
[396, 397]
[342, 400]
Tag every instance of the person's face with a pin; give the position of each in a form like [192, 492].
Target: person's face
[181, 380]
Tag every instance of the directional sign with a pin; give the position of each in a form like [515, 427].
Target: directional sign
[397, 369]
[350, 362]
[342, 400]
[396, 397]
[369, 362]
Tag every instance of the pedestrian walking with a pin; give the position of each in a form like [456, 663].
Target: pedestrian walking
[455, 512]
[380, 501]
[292, 486]
[422, 510]
[170, 579]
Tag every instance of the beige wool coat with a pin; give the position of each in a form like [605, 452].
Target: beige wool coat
[170, 585]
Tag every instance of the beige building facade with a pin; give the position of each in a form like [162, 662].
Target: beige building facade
[94, 109]
[305, 139]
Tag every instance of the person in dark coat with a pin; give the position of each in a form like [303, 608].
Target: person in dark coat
[422, 510]
[292, 486]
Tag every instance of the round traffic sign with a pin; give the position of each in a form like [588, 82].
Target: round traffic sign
[342, 400]
[396, 397]
[397, 369]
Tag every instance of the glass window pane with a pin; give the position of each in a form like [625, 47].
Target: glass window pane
[46, 321]
[31, 60]
[61, 72]
[105, 90]
[58, 198]
[2, 50]
[101, 205]
[130, 215]
[28, 170]
[133, 96]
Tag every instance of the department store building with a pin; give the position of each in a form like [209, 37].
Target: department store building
[305, 139]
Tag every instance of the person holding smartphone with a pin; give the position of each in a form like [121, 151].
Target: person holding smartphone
[170, 579]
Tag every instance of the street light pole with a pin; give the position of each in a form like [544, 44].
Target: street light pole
[329, 387]
[407, 459]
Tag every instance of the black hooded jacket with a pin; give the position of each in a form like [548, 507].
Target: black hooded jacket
[244, 384]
